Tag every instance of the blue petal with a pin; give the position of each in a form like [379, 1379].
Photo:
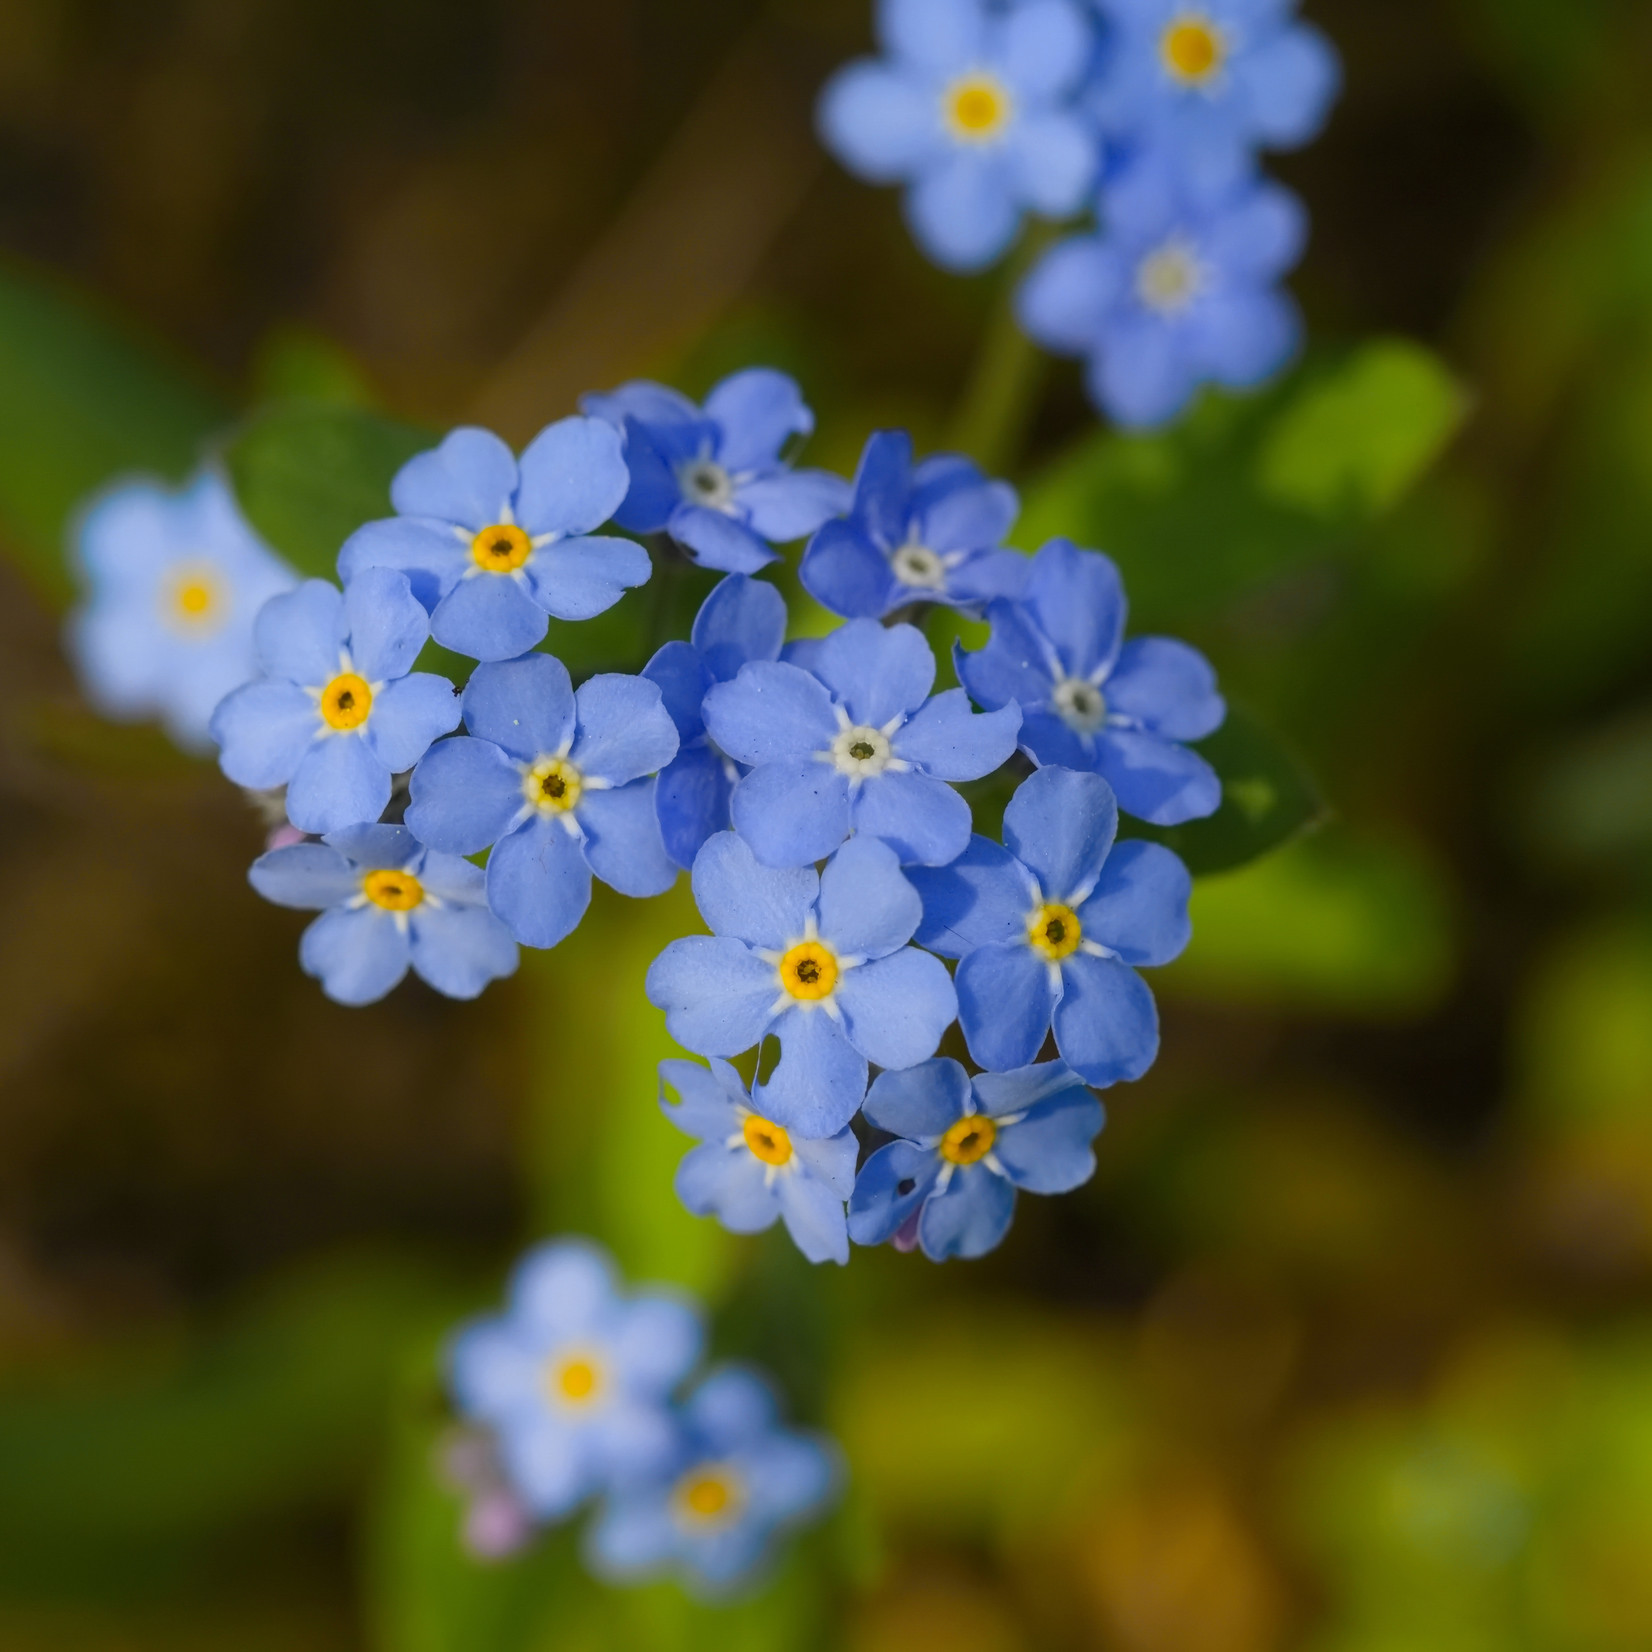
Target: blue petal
[1060, 825]
[489, 1371]
[968, 514]
[1139, 908]
[311, 875]
[300, 633]
[713, 1178]
[640, 399]
[1167, 687]
[1141, 375]
[1052, 744]
[539, 882]
[1077, 599]
[982, 899]
[708, 1098]
[717, 541]
[1156, 780]
[490, 617]
[658, 1341]
[867, 908]
[573, 478]
[430, 554]
[947, 740]
[970, 1218]
[938, 36]
[878, 672]
[388, 626]
[1289, 84]
[338, 782]
[525, 707]
[1106, 1024]
[845, 572]
[1240, 338]
[814, 1218]
[821, 1079]
[794, 503]
[1004, 1005]
[1258, 237]
[1015, 667]
[989, 576]
[459, 949]
[757, 412]
[1043, 47]
[624, 730]
[792, 813]
[466, 794]
[1049, 1150]
[883, 485]
[755, 904]
[357, 956]
[1066, 298]
[733, 1407]
[770, 711]
[407, 716]
[830, 1161]
[923, 820]
[879, 121]
[577, 579]
[632, 1536]
[691, 800]
[469, 479]
[374, 847]
[961, 212]
[562, 1290]
[622, 840]
[896, 1009]
[449, 878]
[878, 1207]
[1054, 156]
[263, 732]
[654, 491]
[999, 1095]
[743, 619]
[682, 682]
[548, 1464]
[716, 994]
[920, 1103]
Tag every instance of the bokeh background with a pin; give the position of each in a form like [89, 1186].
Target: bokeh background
[1347, 1347]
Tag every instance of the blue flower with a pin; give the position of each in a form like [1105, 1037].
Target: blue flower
[1177, 290]
[742, 620]
[336, 713]
[1091, 700]
[496, 546]
[174, 581]
[973, 106]
[819, 961]
[855, 744]
[553, 781]
[752, 1171]
[738, 1479]
[575, 1379]
[1208, 80]
[966, 1145]
[1052, 927]
[387, 903]
[930, 533]
[714, 478]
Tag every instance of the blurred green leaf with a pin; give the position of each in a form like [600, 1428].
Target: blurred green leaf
[299, 364]
[1595, 798]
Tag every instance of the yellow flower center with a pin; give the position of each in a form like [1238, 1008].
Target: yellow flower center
[346, 701]
[576, 1381]
[194, 598]
[553, 784]
[394, 891]
[767, 1140]
[1054, 932]
[968, 1139]
[1192, 49]
[977, 108]
[809, 971]
[501, 549]
[708, 1495]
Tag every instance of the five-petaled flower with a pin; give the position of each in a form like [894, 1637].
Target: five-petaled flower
[1051, 927]
[820, 961]
[1091, 700]
[387, 903]
[966, 1146]
[716, 478]
[750, 1170]
[496, 546]
[339, 709]
[855, 743]
[556, 782]
[575, 1379]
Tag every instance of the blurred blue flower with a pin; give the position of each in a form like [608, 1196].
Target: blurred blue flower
[1178, 289]
[715, 478]
[751, 1171]
[554, 782]
[387, 903]
[819, 960]
[1052, 927]
[927, 533]
[743, 619]
[855, 744]
[496, 546]
[966, 1146]
[737, 1481]
[337, 712]
[1091, 700]
[973, 106]
[174, 580]
[575, 1379]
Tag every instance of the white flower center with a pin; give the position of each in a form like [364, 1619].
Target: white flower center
[861, 752]
[920, 567]
[1169, 278]
[706, 483]
[1080, 704]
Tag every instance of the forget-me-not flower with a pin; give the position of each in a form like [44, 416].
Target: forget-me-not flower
[339, 709]
[716, 478]
[819, 960]
[174, 581]
[387, 904]
[557, 783]
[1178, 289]
[738, 1480]
[749, 1170]
[855, 744]
[1052, 926]
[575, 1379]
[743, 619]
[497, 546]
[933, 532]
[966, 1145]
[1091, 700]
[973, 107]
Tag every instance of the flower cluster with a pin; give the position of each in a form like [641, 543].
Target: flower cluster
[570, 1398]
[1152, 111]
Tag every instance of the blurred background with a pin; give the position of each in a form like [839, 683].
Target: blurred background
[1347, 1347]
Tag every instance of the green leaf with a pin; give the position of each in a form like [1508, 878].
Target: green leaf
[81, 402]
[309, 473]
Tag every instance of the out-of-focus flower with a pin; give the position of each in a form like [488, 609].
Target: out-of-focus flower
[855, 743]
[1091, 700]
[556, 782]
[497, 1523]
[1178, 289]
[575, 1379]
[751, 1171]
[819, 960]
[1052, 927]
[496, 546]
[174, 581]
[933, 532]
[715, 478]
[738, 1479]
[973, 106]
[967, 1145]
[387, 903]
[742, 620]
[339, 709]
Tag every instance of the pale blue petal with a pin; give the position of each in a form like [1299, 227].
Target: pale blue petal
[577, 579]
[691, 800]
[1139, 908]
[970, 1218]
[624, 730]
[1043, 47]
[676, 667]
[1065, 300]
[563, 1290]
[465, 796]
[743, 619]
[1060, 825]
[757, 411]
[884, 480]
[263, 732]
[814, 1218]
[1050, 742]
[982, 899]
[407, 716]
[658, 1341]
[1054, 157]
[895, 1009]
[1004, 1005]
[1049, 1150]
[299, 634]
[548, 1464]
[846, 573]
[1141, 375]
[431, 554]
[830, 1161]
[1167, 687]
[937, 36]
[821, 1079]
[491, 617]
[459, 949]
[961, 212]
[338, 782]
[622, 840]
[1106, 1024]
[881, 122]
[525, 707]
[792, 813]
[490, 1373]
[1259, 236]
[920, 1103]
[716, 994]
[469, 479]
[539, 882]
[770, 711]
[450, 879]
[867, 908]
[946, 739]
[573, 478]
[708, 1099]
[968, 514]
[717, 541]
[375, 847]
[756, 904]
[1288, 84]
[1000, 1094]
[796, 502]
[1155, 780]
[923, 820]
[388, 625]
[879, 1206]
[305, 875]
[1241, 337]
[357, 956]
[728, 1183]
[1013, 667]
[734, 1406]
[878, 672]
[1077, 598]
[631, 1537]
